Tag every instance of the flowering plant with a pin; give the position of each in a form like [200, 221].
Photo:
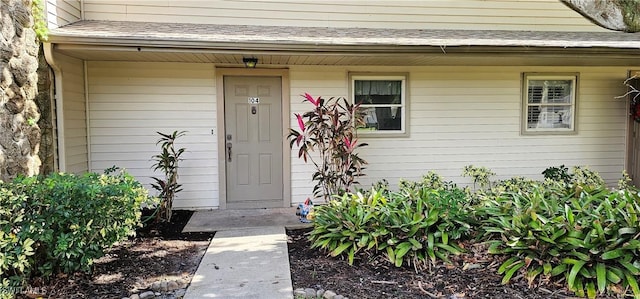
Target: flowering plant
[330, 130]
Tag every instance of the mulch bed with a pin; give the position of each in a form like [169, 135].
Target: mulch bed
[158, 252]
[162, 252]
[472, 275]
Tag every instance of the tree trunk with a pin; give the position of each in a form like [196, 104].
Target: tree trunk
[19, 115]
[619, 15]
[44, 102]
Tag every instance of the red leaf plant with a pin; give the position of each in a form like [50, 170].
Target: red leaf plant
[326, 137]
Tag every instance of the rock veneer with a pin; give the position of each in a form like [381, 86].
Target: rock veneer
[166, 289]
[311, 293]
[19, 115]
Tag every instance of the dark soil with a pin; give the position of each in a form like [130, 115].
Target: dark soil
[158, 252]
[161, 252]
[473, 275]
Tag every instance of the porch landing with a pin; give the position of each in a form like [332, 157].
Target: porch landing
[224, 220]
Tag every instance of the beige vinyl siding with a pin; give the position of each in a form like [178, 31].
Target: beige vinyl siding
[74, 114]
[472, 115]
[129, 102]
[544, 15]
[62, 12]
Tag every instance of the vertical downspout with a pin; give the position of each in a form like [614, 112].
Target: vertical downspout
[86, 113]
[57, 74]
[81, 10]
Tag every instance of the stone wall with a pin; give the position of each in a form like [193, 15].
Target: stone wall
[19, 115]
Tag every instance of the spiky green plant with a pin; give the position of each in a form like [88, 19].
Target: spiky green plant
[167, 163]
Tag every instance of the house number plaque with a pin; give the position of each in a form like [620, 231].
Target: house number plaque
[254, 101]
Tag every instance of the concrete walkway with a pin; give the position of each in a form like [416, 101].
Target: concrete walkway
[246, 259]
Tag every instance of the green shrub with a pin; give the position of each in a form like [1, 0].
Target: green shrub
[16, 242]
[579, 178]
[349, 224]
[413, 226]
[421, 224]
[591, 239]
[560, 174]
[62, 222]
[568, 228]
[481, 176]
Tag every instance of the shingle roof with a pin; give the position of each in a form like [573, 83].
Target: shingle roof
[98, 32]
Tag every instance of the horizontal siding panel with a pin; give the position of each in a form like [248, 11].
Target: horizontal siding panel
[145, 139]
[472, 115]
[154, 123]
[202, 203]
[441, 16]
[128, 106]
[62, 12]
[130, 102]
[164, 90]
[76, 168]
[100, 98]
[76, 141]
[468, 14]
[492, 164]
[474, 98]
[516, 143]
[144, 171]
[416, 120]
[439, 106]
[453, 157]
[143, 148]
[74, 111]
[189, 156]
[72, 132]
[76, 152]
[145, 161]
[158, 81]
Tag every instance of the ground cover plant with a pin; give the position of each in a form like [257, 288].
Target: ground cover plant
[414, 226]
[569, 229]
[580, 232]
[63, 222]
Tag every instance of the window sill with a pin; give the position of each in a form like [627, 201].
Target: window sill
[549, 132]
[365, 134]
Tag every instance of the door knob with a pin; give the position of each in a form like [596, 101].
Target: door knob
[229, 146]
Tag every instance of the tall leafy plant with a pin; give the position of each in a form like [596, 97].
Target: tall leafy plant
[326, 137]
[167, 163]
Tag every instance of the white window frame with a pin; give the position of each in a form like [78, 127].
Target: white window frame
[404, 105]
[526, 78]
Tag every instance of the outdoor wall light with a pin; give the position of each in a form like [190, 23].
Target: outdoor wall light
[250, 62]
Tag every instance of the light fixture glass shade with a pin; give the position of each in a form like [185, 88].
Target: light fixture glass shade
[250, 62]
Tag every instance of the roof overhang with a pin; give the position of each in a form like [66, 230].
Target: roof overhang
[279, 45]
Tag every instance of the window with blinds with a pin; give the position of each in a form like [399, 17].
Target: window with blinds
[382, 100]
[549, 103]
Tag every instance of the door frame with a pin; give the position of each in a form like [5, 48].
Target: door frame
[220, 73]
[631, 154]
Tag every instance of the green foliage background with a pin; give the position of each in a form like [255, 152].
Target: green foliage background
[570, 228]
[62, 222]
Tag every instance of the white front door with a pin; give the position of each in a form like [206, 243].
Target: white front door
[253, 141]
